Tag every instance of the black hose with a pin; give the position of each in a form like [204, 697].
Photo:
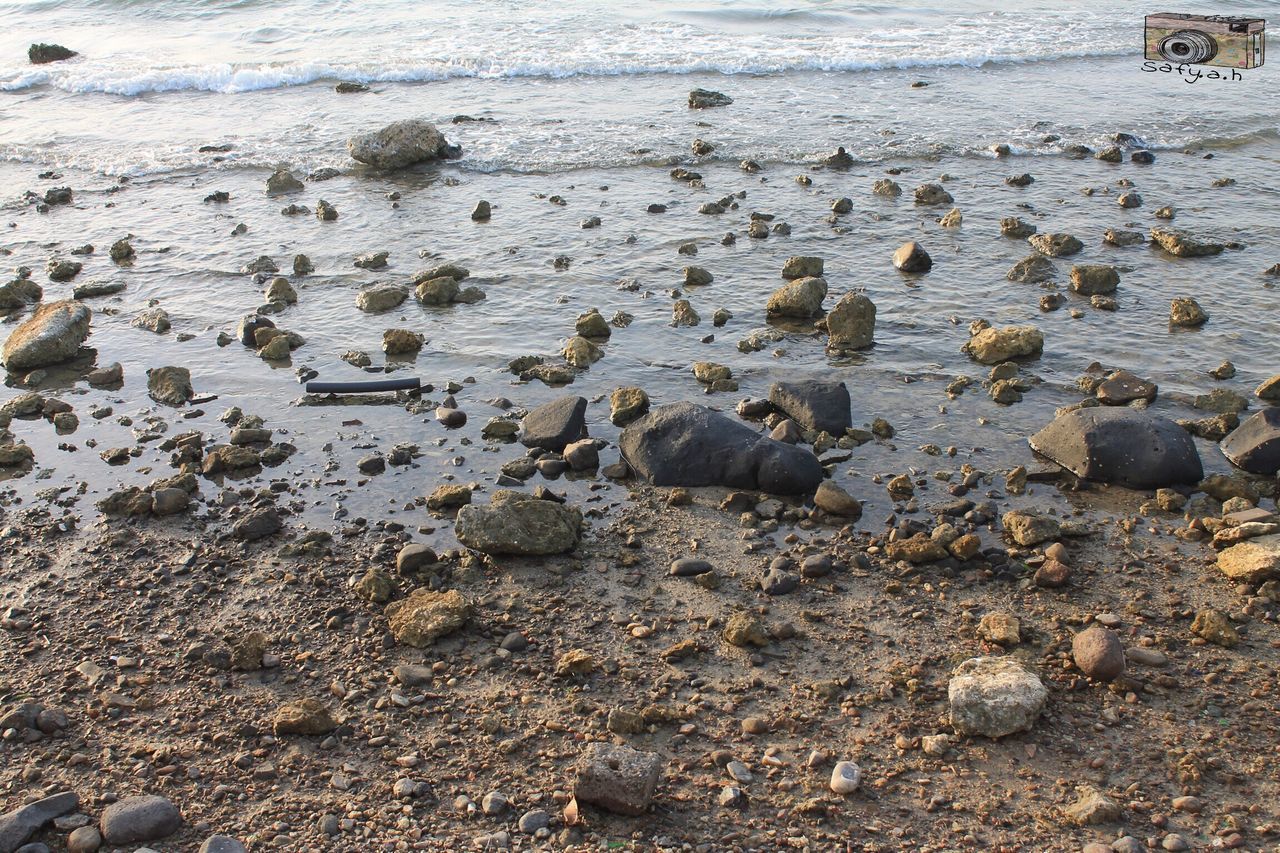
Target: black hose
[364, 387]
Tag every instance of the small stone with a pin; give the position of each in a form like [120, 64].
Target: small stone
[534, 820]
[1213, 626]
[1000, 628]
[846, 776]
[303, 717]
[1092, 808]
[1098, 653]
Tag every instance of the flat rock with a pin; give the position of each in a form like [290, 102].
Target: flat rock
[552, 426]
[53, 334]
[802, 266]
[1252, 561]
[21, 823]
[1092, 808]
[519, 524]
[1182, 245]
[1090, 279]
[1254, 446]
[1123, 446]
[1031, 270]
[684, 444]
[617, 778]
[426, 615]
[170, 385]
[814, 404]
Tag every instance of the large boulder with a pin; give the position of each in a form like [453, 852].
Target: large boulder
[519, 524]
[851, 324]
[554, 425]
[799, 298]
[814, 404]
[684, 444]
[1123, 446]
[401, 144]
[1255, 445]
[51, 335]
[994, 345]
[994, 697]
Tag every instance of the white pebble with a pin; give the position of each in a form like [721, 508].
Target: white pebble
[845, 777]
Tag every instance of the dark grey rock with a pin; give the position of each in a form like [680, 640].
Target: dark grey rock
[249, 324]
[554, 425]
[814, 404]
[684, 444]
[1123, 446]
[221, 844]
[143, 818]
[42, 54]
[686, 567]
[1255, 445]
[20, 824]
[779, 581]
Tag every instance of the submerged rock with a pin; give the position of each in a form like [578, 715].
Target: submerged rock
[519, 524]
[381, 297]
[684, 444]
[53, 334]
[992, 345]
[851, 324]
[401, 144]
[1182, 245]
[1031, 270]
[1123, 446]
[701, 99]
[43, 54]
[932, 194]
[283, 181]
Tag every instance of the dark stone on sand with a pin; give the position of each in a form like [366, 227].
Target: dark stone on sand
[1123, 446]
[22, 823]
[144, 818]
[814, 404]
[684, 444]
[554, 425]
[1254, 446]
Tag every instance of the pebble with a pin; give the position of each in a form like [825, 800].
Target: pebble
[221, 844]
[144, 818]
[1191, 805]
[1174, 841]
[532, 821]
[494, 803]
[845, 777]
[687, 567]
[86, 839]
[738, 772]
[733, 797]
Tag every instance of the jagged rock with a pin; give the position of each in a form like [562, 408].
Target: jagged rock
[1055, 245]
[1030, 528]
[627, 404]
[1185, 312]
[1123, 387]
[1031, 270]
[1122, 446]
[401, 144]
[701, 99]
[1182, 245]
[801, 266]
[426, 615]
[283, 181]
[1252, 561]
[1015, 228]
[994, 697]
[799, 298]
[994, 345]
[617, 778]
[1093, 807]
[519, 524]
[42, 54]
[688, 445]
[303, 717]
[381, 297]
[851, 324]
[170, 385]
[886, 188]
[816, 405]
[1254, 446]
[53, 334]
[932, 194]
[1120, 237]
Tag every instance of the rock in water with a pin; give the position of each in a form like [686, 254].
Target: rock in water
[553, 425]
[519, 524]
[701, 99]
[684, 444]
[814, 404]
[617, 778]
[401, 144]
[1055, 245]
[1185, 312]
[1182, 245]
[1098, 653]
[1088, 279]
[992, 345]
[170, 385]
[425, 616]
[1031, 270]
[22, 823]
[799, 298]
[51, 335]
[283, 181]
[136, 819]
[627, 404]
[42, 54]
[802, 266]
[932, 194]
[911, 257]
[1254, 446]
[1122, 446]
[851, 324]
[994, 697]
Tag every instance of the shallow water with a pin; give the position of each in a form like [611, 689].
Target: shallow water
[605, 142]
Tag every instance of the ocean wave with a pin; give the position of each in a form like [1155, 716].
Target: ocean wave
[229, 78]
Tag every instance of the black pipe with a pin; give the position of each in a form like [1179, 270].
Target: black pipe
[364, 387]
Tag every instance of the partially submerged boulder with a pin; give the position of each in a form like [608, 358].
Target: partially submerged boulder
[851, 324]
[43, 54]
[401, 144]
[1123, 446]
[701, 99]
[519, 524]
[53, 334]
[994, 345]
[814, 404]
[684, 444]
[554, 425]
[1254, 446]
[800, 298]
[1183, 245]
[170, 385]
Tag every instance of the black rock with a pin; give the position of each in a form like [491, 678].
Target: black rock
[20, 824]
[687, 567]
[779, 582]
[553, 425]
[1143, 157]
[248, 325]
[1124, 446]
[1255, 445]
[814, 404]
[684, 444]
[40, 54]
